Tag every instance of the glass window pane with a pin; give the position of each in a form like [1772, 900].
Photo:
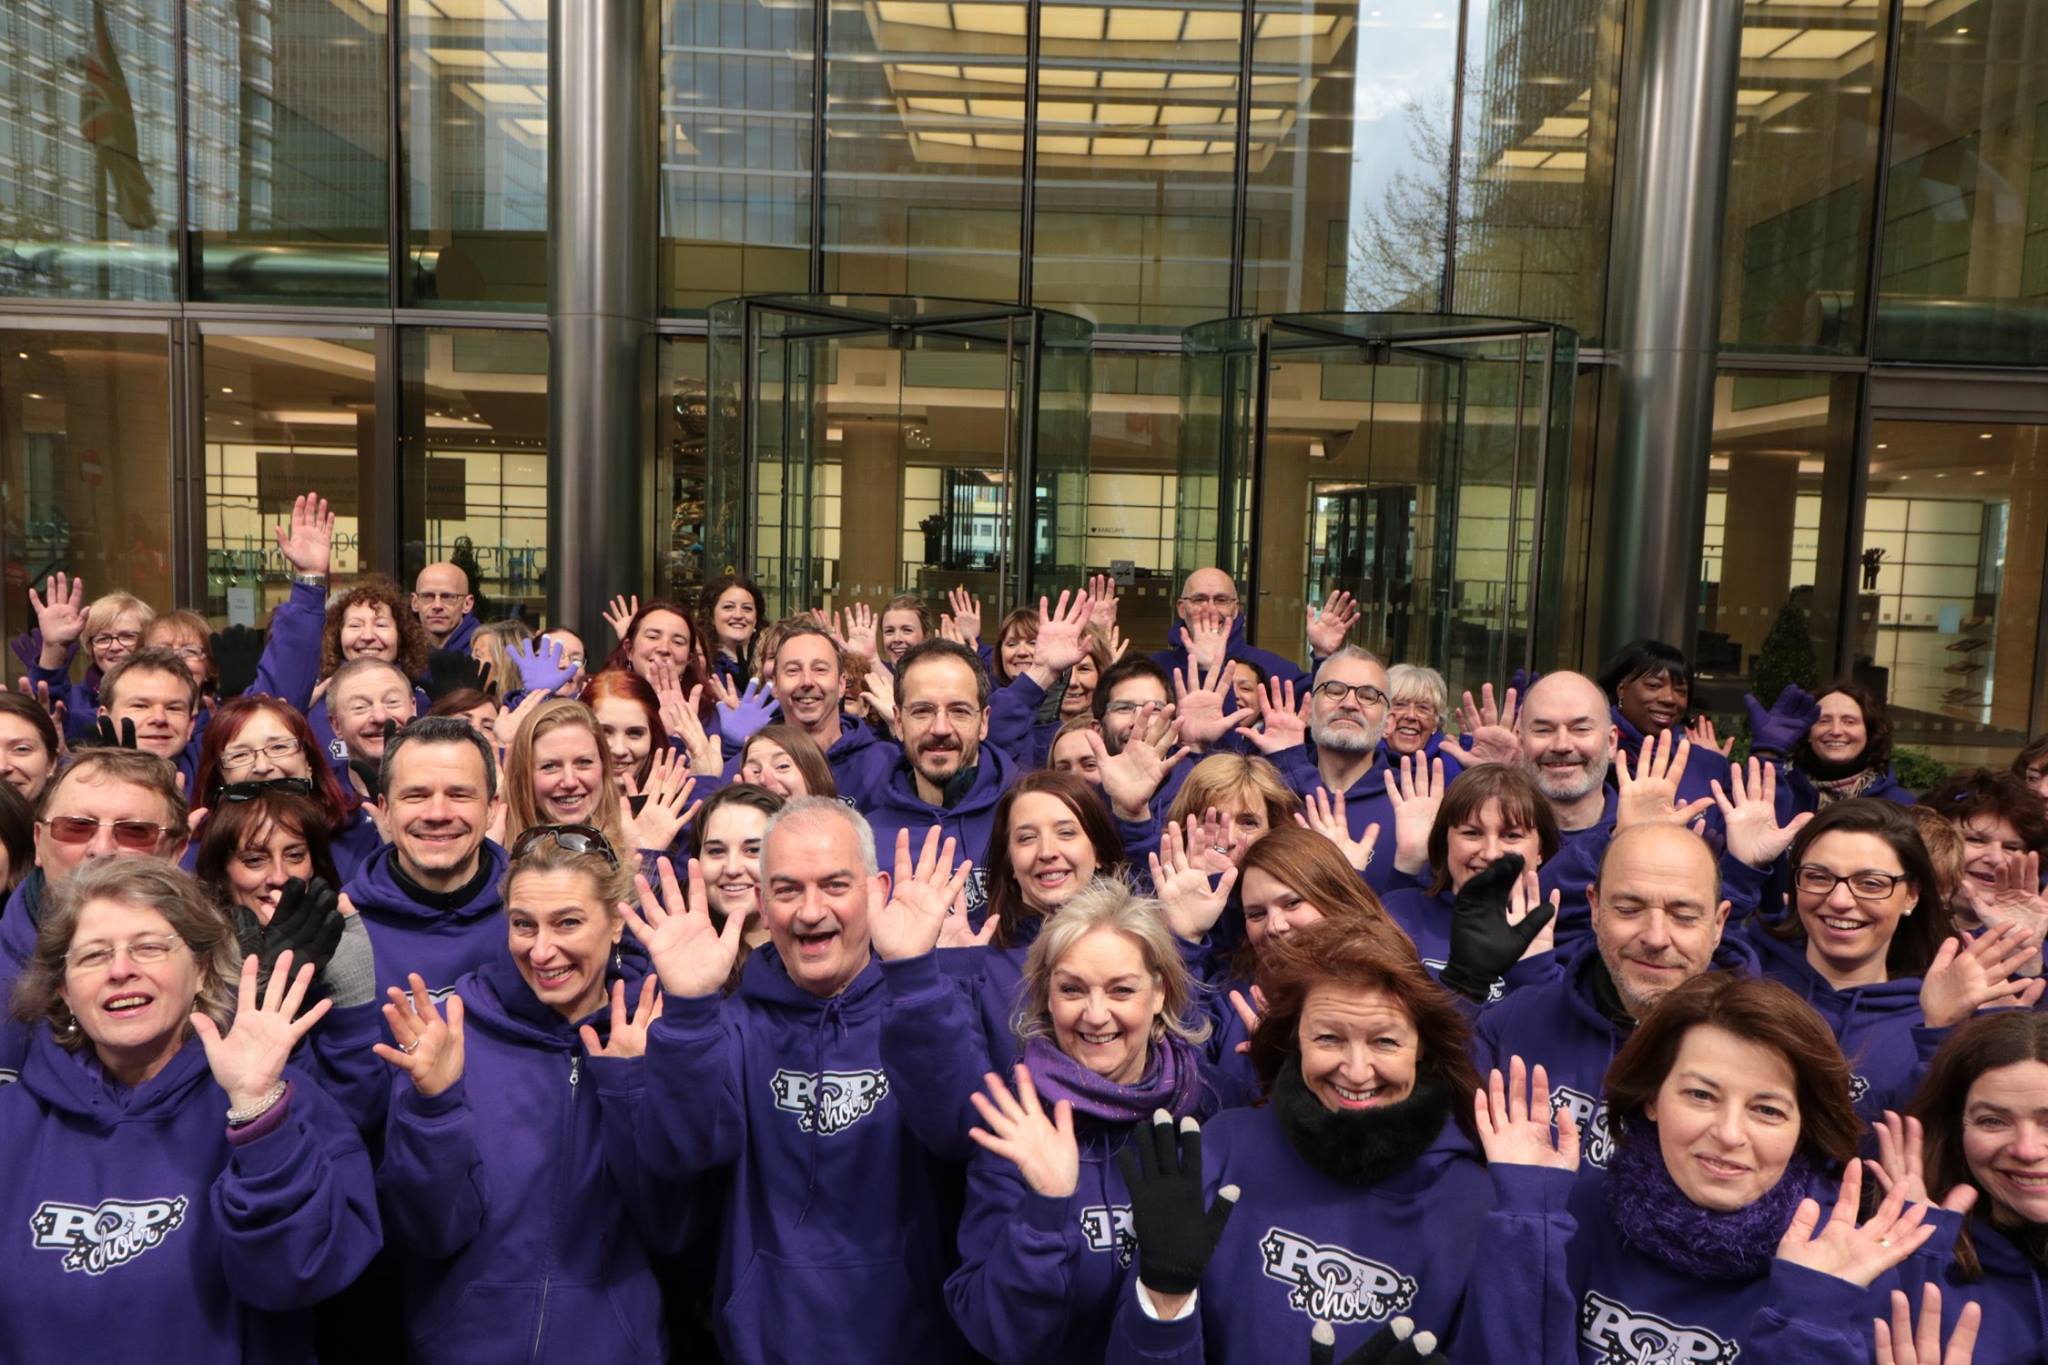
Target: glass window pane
[473, 466]
[924, 140]
[288, 157]
[1966, 211]
[1350, 154]
[736, 149]
[85, 458]
[477, 152]
[1133, 485]
[685, 446]
[285, 416]
[88, 141]
[1800, 177]
[1542, 96]
[1137, 142]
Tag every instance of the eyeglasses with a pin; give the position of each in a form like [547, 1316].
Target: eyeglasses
[143, 952]
[127, 639]
[186, 652]
[925, 712]
[1367, 694]
[137, 836]
[440, 596]
[1221, 601]
[1815, 880]
[277, 751]
[235, 792]
[570, 838]
[1413, 708]
[1128, 708]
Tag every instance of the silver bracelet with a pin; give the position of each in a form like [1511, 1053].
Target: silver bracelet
[242, 1118]
[311, 580]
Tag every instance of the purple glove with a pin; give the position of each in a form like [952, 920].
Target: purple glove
[1780, 729]
[542, 663]
[1523, 680]
[757, 707]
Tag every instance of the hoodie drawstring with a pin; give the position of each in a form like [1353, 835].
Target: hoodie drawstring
[828, 1018]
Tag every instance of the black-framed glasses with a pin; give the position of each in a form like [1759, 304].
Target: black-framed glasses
[1814, 880]
[1367, 694]
[235, 792]
[571, 838]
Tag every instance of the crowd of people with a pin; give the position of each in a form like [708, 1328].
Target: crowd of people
[877, 985]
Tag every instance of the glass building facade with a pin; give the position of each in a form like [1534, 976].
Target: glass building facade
[249, 246]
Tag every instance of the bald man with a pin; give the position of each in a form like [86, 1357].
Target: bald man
[445, 602]
[1210, 592]
[1658, 919]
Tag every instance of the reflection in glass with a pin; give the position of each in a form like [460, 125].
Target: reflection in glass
[477, 151]
[685, 446]
[88, 139]
[285, 416]
[924, 139]
[85, 461]
[1136, 144]
[1350, 150]
[736, 148]
[473, 463]
[289, 172]
[1799, 178]
[1134, 486]
[1966, 211]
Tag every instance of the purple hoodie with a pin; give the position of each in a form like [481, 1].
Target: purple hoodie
[440, 942]
[1175, 655]
[2013, 1290]
[1366, 803]
[893, 804]
[835, 1240]
[141, 1227]
[520, 1215]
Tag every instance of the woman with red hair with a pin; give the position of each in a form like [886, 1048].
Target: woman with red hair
[254, 741]
[630, 716]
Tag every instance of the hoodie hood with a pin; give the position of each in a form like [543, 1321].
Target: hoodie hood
[1175, 655]
[75, 1083]
[1845, 1010]
[439, 941]
[496, 996]
[376, 888]
[465, 631]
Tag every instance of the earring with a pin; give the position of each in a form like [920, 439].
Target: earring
[618, 961]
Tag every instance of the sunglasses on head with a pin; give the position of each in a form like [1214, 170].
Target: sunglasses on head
[137, 836]
[249, 791]
[572, 838]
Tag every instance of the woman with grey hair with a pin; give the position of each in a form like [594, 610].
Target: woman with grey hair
[1045, 1239]
[149, 1220]
[1417, 702]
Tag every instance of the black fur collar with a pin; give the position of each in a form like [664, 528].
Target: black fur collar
[1361, 1147]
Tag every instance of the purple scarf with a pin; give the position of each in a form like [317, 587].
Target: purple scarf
[1658, 1220]
[1172, 1081]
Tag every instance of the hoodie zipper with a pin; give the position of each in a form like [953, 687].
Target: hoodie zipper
[547, 1273]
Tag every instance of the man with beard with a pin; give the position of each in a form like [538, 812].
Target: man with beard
[1657, 922]
[947, 777]
[1340, 756]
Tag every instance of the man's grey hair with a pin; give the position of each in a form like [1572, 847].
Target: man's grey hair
[351, 670]
[807, 808]
[1349, 652]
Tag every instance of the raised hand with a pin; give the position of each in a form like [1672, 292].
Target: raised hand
[1986, 972]
[629, 1031]
[666, 808]
[248, 1061]
[692, 953]
[1281, 724]
[740, 714]
[680, 717]
[1514, 1121]
[1486, 730]
[1325, 816]
[60, 616]
[880, 691]
[512, 722]
[1779, 730]
[1485, 941]
[1649, 795]
[1062, 638]
[1102, 601]
[920, 897]
[1176, 1234]
[1701, 733]
[1181, 881]
[1248, 1012]
[1749, 811]
[429, 1048]
[2015, 898]
[1330, 623]
[1903, 1342]
[1901, 1164]
[307, 540]
[966, 615]
[1525, 900]
[1042, 1149]
[1209, 710]
[543, 664]
[1132, 776]
[1847, 1251]
[1208, 639]
[619, 616]
[1417, 794]
[856, 631]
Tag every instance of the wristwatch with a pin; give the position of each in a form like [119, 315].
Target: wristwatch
[311, 580]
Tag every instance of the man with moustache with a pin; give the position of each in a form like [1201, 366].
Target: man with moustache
[1338, 752]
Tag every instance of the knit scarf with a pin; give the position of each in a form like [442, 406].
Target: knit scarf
[1657, 1219]
[1832, 789]
[1358, 1146]
[1172, 1081]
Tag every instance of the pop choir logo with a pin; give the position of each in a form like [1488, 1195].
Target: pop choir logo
[1626, 1337]
[95, 1240]
[831, 1102]
[1332, 1283]
[1108, 1228]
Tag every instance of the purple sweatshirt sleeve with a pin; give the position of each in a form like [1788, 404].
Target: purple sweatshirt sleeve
[338, 1054]
[1139, 1339]
[659, 1209]
[290, 665]
[432, 1176]
[1813, 1318]
[933, 1052]
[1013, 718]
[1521, 1305]
[692, 1121]
[1011, 1294]
[296, 1208]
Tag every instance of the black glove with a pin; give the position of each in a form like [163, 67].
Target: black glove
[1483, 944]
[1176, 1235]
[105, 736]
[451, 670]
[236, 653]
[308, 922]
[1398, 1343]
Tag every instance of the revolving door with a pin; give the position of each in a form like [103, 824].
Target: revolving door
[1416, 461]
[866, 446]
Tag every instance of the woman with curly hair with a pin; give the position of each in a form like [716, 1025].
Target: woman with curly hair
[372, 620]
